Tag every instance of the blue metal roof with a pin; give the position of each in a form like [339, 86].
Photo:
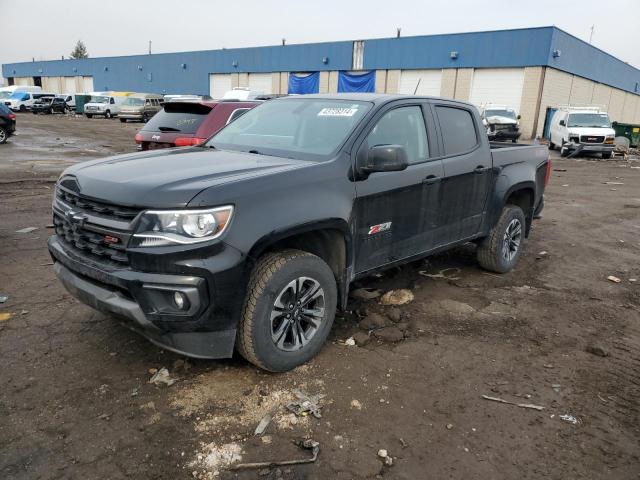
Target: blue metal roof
[189, 71]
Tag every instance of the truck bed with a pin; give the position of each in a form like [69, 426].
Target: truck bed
[504, 154]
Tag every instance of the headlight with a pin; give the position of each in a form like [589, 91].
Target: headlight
[158, 228]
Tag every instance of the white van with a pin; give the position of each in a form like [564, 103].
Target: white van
[6, 92]
[69, 99]
[20, 101]
[587, 128]
[103, 104]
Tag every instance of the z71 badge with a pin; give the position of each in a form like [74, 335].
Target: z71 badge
[381, 227]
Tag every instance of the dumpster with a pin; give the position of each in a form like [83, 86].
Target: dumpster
[632, 132]
[81, 99]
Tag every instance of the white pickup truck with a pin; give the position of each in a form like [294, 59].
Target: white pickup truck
[585, 128]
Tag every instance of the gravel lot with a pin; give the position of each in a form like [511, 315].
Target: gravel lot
[76, 402]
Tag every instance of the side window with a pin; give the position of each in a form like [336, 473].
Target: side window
[112, 101]
[402, 126]
[147, 102]
[238, 112]
[458, 130]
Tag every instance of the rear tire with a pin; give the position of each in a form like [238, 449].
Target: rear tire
[123, 120]
[276, 332]
[89, 115]
[499, 252]
[23, 108]
[552, 146]
[3, 135]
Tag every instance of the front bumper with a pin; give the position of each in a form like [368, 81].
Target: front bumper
[591, 147]
[130, 115]
[141, 300]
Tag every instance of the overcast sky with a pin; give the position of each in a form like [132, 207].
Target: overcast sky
[48, 29]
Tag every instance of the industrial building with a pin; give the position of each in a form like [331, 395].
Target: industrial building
[533, 70]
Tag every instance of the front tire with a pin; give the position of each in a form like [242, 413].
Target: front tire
[607, 155]
[107, 114]
[499, 252]
[288, 312]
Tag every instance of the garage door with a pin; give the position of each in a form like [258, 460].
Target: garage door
[219, 84]
[69, 85]
[497, 85]
[260, 82]
[426, 81]
[87, 84]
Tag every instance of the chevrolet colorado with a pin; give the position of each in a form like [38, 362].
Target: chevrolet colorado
[251, 240]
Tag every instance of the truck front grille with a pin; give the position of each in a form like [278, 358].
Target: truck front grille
[115, 212]
[591, 139]
[103, 245]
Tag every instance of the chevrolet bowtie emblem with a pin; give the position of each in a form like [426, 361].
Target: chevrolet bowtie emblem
[76, 218]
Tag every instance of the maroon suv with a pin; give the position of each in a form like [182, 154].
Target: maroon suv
[181, 124]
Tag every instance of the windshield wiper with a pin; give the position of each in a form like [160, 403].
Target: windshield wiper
[168, 129]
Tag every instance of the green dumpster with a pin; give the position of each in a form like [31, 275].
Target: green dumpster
[81, 99]
[632, 132]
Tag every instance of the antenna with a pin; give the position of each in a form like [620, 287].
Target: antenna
[417, 85]
[591, 35]
[149, 47]
[398, 30]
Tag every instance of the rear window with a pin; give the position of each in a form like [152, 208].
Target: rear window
[178, 117]
[458, 130]
[4, 109]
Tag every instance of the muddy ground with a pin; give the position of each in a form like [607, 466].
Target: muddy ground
[75, 402]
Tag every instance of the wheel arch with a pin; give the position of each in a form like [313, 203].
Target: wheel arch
[330, 239]
[523, 195]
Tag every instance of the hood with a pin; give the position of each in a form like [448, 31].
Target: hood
[591, 131]
[497, 119]
[170, 178]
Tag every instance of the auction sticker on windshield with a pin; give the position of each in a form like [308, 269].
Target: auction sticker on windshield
[337, 112]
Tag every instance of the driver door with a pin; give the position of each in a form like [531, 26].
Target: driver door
[395, 211]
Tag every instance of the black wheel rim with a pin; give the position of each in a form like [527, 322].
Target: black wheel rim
[297, 314]
[511, 241]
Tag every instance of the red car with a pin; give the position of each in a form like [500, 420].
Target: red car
[181, 124]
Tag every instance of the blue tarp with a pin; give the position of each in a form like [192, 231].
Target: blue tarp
[363, 82]
[304, 84]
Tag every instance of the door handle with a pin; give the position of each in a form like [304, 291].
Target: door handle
[431, 179]
[479, 169]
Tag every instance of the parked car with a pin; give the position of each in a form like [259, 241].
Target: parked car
[49, 105]
[20, 101]
[140, 107]
[69, 99]
[181, 124]
[242, 93]
[187, 98]
[252, 239]
[7, 123]
[585, 128]
[104, 105]
[501, 122]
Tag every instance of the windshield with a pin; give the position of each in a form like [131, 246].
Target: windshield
[19, 96]
[99, 100]
[508, 113]
[5, 94]
[134, 102]
[307, 129]
[598, 120]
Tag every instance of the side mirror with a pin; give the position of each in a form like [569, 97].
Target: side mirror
[518, 117]
[384, 158]
[562, 124]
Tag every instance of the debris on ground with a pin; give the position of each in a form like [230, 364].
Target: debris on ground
[350, 342]
[365, 293]
[442, 274]
[597, 350]
[162, 377]
[4, 298]
[215, 457]
[373, 321]
[541, 254]
[521, 405]
[307, 444]
[569, 419]
[449, 426]
[356, 404]
[26, 230]
[305, 404]
[361, 338]
[263, 424]
[397, 297]
[384, 455]
[613, 183]
[5, 316]
[559, 169]
[613, 279]
[389, 334]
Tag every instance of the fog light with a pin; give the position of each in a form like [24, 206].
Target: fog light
[180, 300]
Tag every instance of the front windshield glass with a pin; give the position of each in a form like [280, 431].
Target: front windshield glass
[99, 100]
[306, 129]
[5, 94]
[134, 102]
[596, 120]
[19, 96]
[508, 113]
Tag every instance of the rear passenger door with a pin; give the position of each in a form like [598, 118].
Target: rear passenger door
[395, 211]
[467, 173]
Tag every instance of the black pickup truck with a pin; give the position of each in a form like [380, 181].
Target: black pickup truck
[49, 105]
[252, 239]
